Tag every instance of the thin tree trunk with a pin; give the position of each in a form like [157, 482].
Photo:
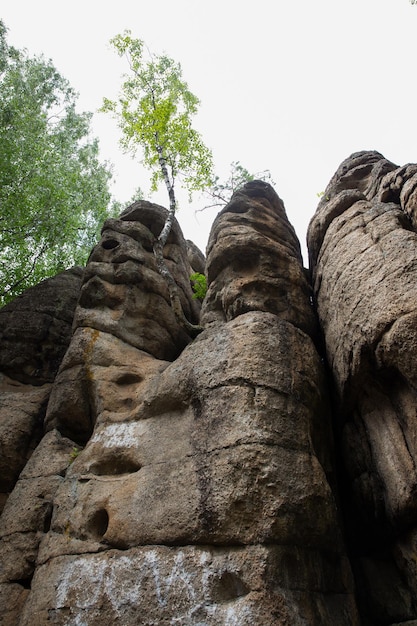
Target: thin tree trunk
[192, 329]
[163, 236]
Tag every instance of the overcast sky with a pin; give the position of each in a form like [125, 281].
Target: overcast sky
[290, 86]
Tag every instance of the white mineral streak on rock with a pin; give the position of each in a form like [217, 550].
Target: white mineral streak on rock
[180, 575]
[77, 621]
[87, 583]
[76, 571]
[152, 558]
[104, 577]
[122, 595]
[118, 435]
[235, 616]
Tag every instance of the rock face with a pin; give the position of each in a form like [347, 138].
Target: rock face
[363, 254]
[35, 331]
[178, 481]
[261, 474]
[254, 262]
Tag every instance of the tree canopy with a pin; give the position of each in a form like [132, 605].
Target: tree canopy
[54, 191]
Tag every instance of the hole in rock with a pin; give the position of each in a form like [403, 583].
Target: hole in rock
[129, 378]
[26, 583]
[110, 244]
[391, 195]
[47, 519]
[114, 465]
[228, 586]
[405, 222]
[238, 207]
[245, 262]
[153, 223]
[98, 524]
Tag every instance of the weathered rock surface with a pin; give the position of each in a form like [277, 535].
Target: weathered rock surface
[363, 249]
[254, 261]
[156, 479]
[189, 471]
[123, 293]
[188, 585]
[35, 328]
[185, 482]
[35, 331]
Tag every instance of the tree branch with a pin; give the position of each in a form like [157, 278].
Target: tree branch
[192, 329]
[25, 276]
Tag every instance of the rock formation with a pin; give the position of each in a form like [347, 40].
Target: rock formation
[261, 474]
[363, 255]
[35, 331]
[183, 481]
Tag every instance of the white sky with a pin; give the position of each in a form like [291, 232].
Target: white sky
[290, 86]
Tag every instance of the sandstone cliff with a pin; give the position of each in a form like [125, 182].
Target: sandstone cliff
[151, 478]
[363, 254]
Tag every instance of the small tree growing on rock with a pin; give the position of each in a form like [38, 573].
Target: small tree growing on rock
[154, 111]
[220, 192]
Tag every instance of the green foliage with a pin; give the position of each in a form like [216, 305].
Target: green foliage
[220, 192]
[154, 112]
[199, 285]
[54, 192]
[73, 454]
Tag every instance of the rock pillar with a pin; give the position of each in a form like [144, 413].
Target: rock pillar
[363, 254]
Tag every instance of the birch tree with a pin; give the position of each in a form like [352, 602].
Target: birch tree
[154, 110]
